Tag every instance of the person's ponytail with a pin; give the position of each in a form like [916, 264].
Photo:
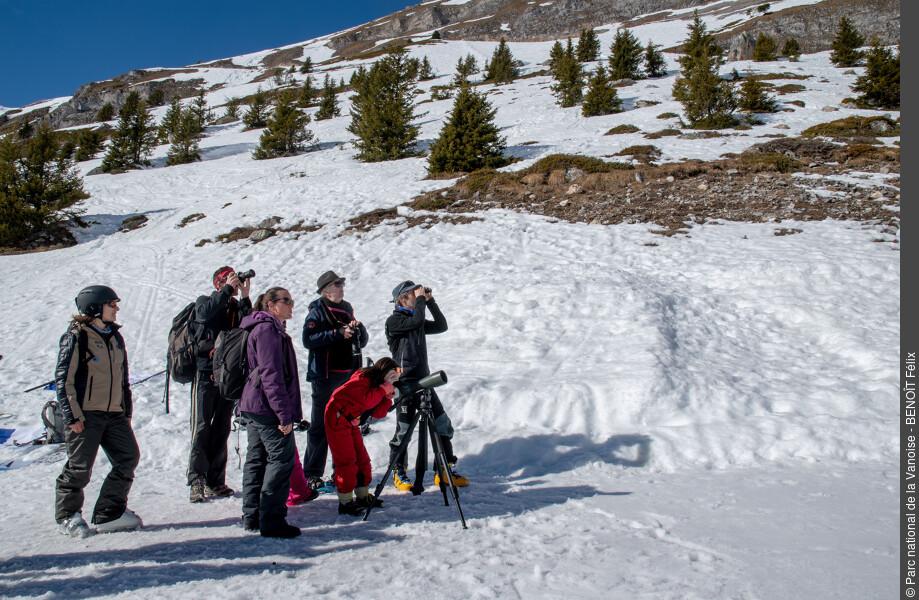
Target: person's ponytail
[270, 295]
[377, 373]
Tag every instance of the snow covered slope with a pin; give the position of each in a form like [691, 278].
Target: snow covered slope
[704, 416]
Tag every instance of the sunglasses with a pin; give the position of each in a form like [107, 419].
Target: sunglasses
[114, 303]
[285, 300]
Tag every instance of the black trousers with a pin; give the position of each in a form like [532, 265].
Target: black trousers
[266, 473]
[211, 418]
[112, 432]
[406, 413]
[317, 445]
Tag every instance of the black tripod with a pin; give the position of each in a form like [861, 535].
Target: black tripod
[425, 416]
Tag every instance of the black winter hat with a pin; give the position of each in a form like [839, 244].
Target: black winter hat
[325, 279]
[90, 299]
[403, 288]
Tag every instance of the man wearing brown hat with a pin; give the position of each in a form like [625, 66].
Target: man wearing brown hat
[334, 338]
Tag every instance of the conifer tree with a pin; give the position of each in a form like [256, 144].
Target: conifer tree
[879, 87]
[382, 111]
[791, 50]
[106, 112]
[201, 111]
[157, 97]
[436, 35]
[569, 80]
[89, 143]
[625, 56]
[470, 139]
[184, 137]
[655, 65]
[765, 48]
[413, 68]
[846, 45]
[357, 77]
[257, 115]
[328, 105]
[753, 97]
[25, 130]
[707, 100]
[307, 67]
[466, 67]
[307, 93]
[133, 139]
[700, 42]
[555, 55]
[502, 68]
[601, 98]
[426, 72]
[170, 122]
[68, 148]
[232, 109]
[588, 46]
[286, 133]
[38, 188]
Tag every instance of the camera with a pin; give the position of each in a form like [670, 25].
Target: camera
[244, 275]
[433, 380]
[427, 290]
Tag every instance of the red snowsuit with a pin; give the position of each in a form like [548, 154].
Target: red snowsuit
[342, 418]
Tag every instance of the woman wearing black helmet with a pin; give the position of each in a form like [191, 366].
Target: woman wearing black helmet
[95, 399]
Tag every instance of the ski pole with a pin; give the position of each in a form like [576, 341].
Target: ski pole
[38, 387]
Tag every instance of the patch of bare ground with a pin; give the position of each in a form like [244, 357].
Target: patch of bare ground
[259, 233]
[367, 221]
[782, 179]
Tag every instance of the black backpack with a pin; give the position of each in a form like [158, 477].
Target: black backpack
[53, 420]
[231, 365]
[181, 357]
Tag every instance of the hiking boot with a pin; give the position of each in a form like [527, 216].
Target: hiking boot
[315, 483]
[401, 480]
[458, 479]
[250, 524]
[197, 493]
[352, 508]
[282, 530]
[75, 526]
[369, 500]
[220, 491]
[294, 499]
[128, 521]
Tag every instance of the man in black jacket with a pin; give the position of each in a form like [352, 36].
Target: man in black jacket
[211, 414]
[334, 338]
[406, 331]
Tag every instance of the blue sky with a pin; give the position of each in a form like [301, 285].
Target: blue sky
[51, 47]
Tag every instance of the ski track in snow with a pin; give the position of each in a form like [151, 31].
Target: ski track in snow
[707, 417]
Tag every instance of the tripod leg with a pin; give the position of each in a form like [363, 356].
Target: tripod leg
[421, 461]
[403, 447]
[440, 462]
[439, 455]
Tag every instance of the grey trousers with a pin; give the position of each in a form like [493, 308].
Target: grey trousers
[112, 432]
[266, 474]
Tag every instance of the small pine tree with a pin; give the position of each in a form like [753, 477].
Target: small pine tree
[846, 45]
[232, 108]
[791, 50]
[38, 188]
[625, 56]
[328, 105]
[170, 122]
[201, 111]
[157, 97]
[89, 143]
[25, 130]
[470, 139]
[753, 97]
[382, 111]
[601, 98]
[286, 133]
[700, 45]
[133, 139]
[68, 149]
[707, 100]
[502, 68]
[357, 77]
[436, 35]
[555, 55]
[257, 115]
[466, 67]
[185, 137]
[307, 93]
[426, 73]
[879, 87]
[765, 48]
[569, 80]
[655, 65]
[413, 68]
[588, 46]
[105, 113]
[307, 67]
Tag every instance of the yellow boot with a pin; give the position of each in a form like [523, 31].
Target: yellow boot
[401, 480]
[458, 479]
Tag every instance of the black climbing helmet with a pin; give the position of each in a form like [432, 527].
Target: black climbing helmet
[91, 299]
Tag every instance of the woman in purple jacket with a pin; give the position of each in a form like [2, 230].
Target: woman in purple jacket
[270, 405]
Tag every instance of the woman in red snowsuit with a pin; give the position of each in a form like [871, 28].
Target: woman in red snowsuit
[369, 389]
